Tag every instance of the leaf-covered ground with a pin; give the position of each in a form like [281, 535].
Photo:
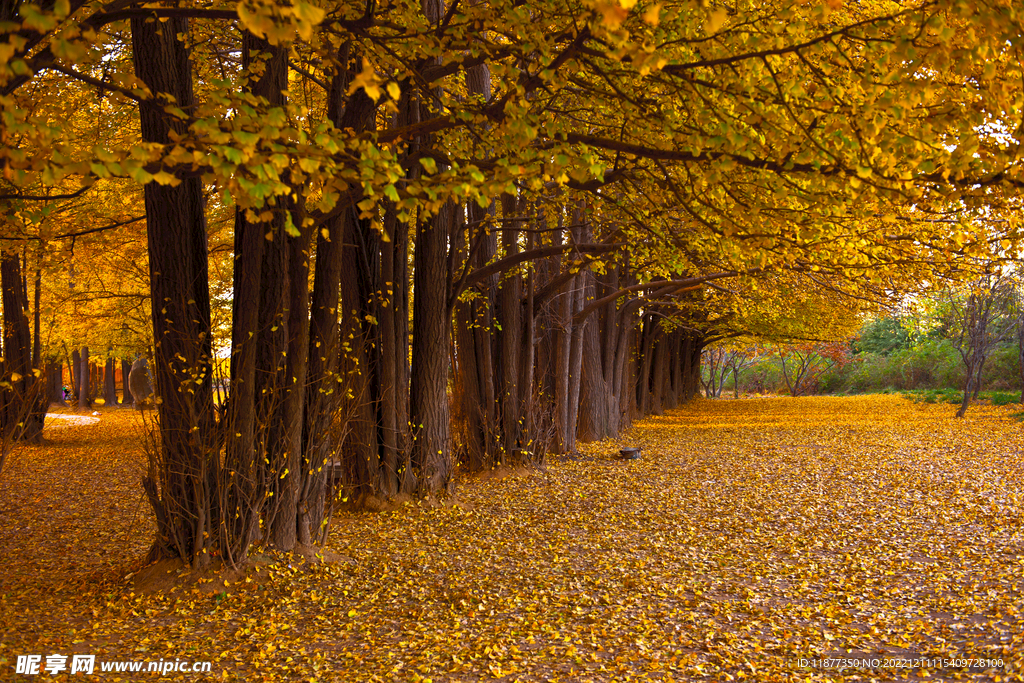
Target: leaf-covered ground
[752, 535]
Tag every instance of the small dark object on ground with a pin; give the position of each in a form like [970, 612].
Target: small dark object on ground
[630, 453]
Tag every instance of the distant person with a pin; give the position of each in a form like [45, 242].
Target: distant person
[67, 393]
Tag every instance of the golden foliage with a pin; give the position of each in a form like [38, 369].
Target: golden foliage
[751, 534]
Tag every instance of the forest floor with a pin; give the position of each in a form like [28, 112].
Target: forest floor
[763, 539]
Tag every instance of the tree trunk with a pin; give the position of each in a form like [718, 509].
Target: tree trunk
[126, 393]
[323, 390]
[510, 336]
[429, 387]
[564, 304]
[693, 346]
[284, 532]
[76, 374]
[394, 328]
[109, 387]
[323, 425]
[179, 483]
[646, 356]
[85, 379]
[37, 285]
[474, 325]
[594, 419]
[23, 401]
[659, 372]
[530, 450]
[575, 345]
[969, 387]
[55, 382]
[358, 364]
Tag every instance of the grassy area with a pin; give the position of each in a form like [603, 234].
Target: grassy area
[955, 396]
[752, 538]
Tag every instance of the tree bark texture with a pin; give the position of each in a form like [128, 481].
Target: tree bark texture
[109, 386]
[178, 483]
[429, 381]
[22, 403]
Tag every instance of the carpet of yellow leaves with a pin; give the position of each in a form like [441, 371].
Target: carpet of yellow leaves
[751, 535]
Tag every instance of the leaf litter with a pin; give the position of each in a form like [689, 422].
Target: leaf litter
[752, 538]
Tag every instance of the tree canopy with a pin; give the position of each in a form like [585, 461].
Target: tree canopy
[551, 206]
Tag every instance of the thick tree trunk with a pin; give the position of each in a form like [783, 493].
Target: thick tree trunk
[475, 343]
[127, 399]
[240, 450]
[575, 345]
[473, 320]
[563, 345]
[55, 382]
[85, 379]
[75, 371]
[646, 356]
[323, 391]
[674, 382]
[693, 347]
[109, 387]
[429, 387]
[359, 365]
[323, 424]
[659, 370]
[284, 532]
[529, 449]
[37, 285]
[593, 418]
[510, 336]
[394, 391]
[970, 388]
[179, 481]
[621, 368]
[95, 381]
[23, 401]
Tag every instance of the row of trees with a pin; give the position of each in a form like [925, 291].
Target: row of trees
[481, 229]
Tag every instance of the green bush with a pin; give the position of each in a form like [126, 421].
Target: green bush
[932, 365]
[1002, 369]
[1003, 398]
[882, 337]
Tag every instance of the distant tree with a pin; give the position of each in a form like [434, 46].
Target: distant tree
[738, 360]
[717, 362]
[980, 319]
[713, 370]
[804, 364]
[883, 336]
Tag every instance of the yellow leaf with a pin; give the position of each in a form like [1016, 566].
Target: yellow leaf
[165, 178]
[367, 80]
[653, 15]
[612, 13]
[716, 19]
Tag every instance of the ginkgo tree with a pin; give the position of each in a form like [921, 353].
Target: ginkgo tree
[533, 191]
